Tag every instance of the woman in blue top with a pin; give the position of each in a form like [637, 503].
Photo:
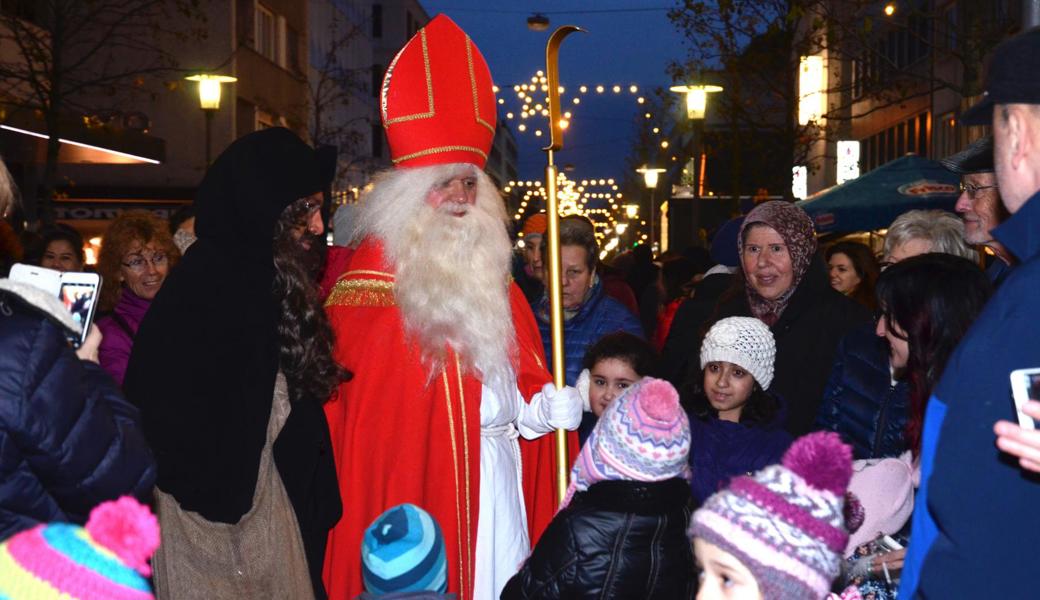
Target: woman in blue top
[588, 312]
[735, 424]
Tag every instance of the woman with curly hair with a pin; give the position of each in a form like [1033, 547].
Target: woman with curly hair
[853, 270]
[136, 255]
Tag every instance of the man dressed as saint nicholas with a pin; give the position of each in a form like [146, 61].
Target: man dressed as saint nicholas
[450, 402]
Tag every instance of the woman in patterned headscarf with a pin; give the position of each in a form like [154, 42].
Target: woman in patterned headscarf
[782, 282]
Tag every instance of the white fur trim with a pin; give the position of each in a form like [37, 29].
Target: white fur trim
[48, 304]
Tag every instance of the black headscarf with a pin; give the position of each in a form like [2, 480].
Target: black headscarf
[205, 358]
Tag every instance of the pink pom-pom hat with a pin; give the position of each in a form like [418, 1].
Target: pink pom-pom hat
[786, 523]
[107, 560]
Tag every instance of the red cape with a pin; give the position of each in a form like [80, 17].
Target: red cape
[400, 435]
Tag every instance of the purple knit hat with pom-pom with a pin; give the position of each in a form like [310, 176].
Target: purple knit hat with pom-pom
[787, 522]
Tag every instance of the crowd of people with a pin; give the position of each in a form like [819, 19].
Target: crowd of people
[739, 424]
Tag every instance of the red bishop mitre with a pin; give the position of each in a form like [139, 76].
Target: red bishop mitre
[437, 99]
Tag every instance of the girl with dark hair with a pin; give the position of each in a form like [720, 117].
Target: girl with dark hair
[735, 423]
[927, 303]
[853, 270]
[612, 365]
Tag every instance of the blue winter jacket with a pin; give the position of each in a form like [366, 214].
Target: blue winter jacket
[598, 316]
[860, 402]
[68, 438]
[975, 525]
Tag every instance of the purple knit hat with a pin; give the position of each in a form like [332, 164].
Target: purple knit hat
[786, 523]
[642, 436]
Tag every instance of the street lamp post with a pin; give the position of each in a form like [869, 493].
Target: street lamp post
[209, 101]
[696, 110]
[650, 176]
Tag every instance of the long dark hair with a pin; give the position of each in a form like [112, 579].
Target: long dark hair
[866, 267]
[761, 408]
[933, 298]
[306, 339]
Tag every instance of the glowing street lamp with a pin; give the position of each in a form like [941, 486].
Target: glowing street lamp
[631, 211]
[650, 177]
[209, 100]
[696, 98]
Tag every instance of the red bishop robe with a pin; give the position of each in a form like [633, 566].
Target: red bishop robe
[400, 435]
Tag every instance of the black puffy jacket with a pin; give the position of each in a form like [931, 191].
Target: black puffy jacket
[68, 438]
[618, 539]
[860, 402]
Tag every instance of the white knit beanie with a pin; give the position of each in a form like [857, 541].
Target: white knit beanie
[745, 342]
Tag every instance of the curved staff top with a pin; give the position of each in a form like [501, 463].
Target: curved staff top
[552, 50]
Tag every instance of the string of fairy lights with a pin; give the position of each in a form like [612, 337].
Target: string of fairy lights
[596, 199]
[576, 197]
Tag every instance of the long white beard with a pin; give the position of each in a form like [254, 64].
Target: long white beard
[452, 272]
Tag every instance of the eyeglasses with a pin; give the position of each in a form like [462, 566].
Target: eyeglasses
[973, 189]
[140, 263]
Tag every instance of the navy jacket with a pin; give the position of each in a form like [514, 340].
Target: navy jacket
[721, 450]
[618, 539]
[68, 438]
[597, 317]
[860, 402]
[975, 527]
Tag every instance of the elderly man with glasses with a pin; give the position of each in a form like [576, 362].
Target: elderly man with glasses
[979, 204]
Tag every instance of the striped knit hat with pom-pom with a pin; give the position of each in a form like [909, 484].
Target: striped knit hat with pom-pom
[787, 522]
[403, 551]
[106, 560]
[642, 436]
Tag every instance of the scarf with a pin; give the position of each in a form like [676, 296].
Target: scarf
[796, 229]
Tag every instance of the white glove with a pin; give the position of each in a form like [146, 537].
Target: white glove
[582, 385]
[560, 409]
[549, 409]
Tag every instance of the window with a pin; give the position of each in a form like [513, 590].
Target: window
[411, 24]
[946, 135]
[292, 51]
[377, 20]
[266, 33]
[264, 119]
[922, 133]
[377, 140]
[377, 80]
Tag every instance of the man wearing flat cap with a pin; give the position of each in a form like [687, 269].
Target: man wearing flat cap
[976, 525]
[979, 204]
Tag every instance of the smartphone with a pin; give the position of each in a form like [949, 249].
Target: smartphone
[1025, 386]
[43, 278]
[79, 293]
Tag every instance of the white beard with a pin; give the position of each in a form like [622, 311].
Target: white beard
[452, 272]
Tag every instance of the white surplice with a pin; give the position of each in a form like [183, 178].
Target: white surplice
[502, 540]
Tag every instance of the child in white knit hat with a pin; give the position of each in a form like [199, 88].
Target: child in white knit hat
[735, 423]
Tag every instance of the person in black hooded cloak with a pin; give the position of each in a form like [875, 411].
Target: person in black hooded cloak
[230, 368]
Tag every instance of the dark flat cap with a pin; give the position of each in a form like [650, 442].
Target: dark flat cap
[1011, 77]
[976, 158]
